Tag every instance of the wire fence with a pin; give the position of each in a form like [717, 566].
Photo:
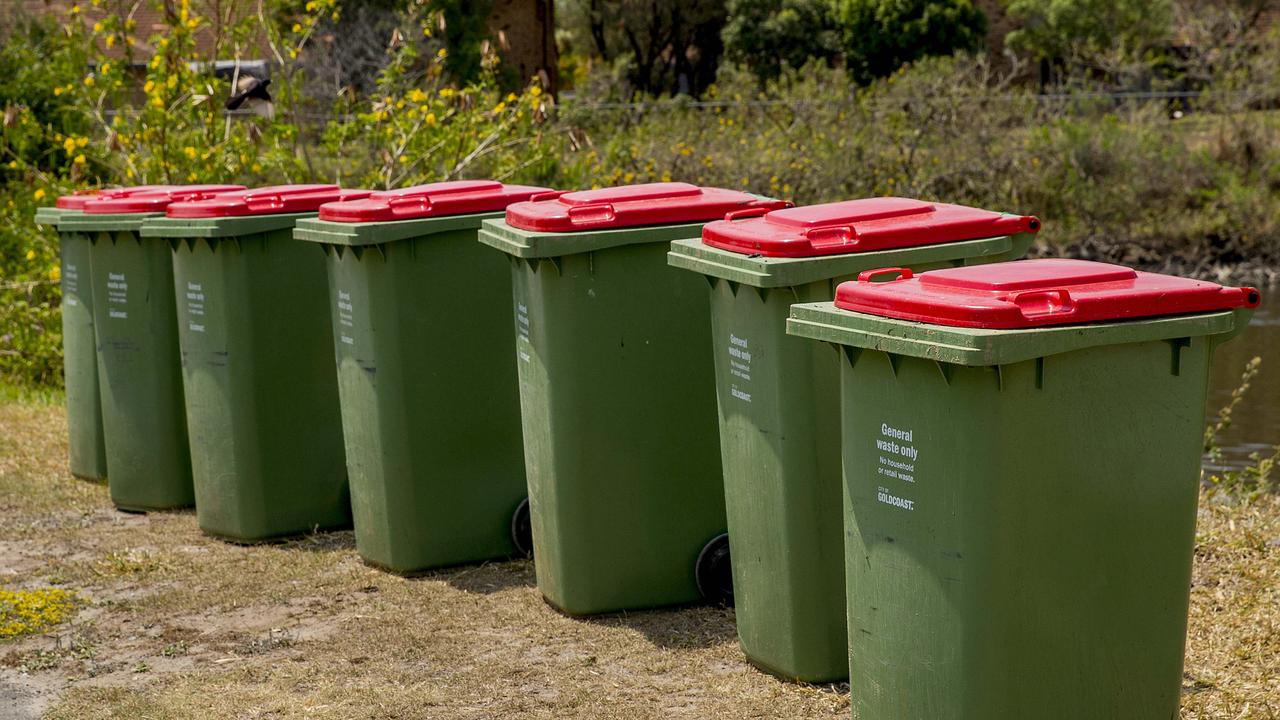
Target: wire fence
[571, 104]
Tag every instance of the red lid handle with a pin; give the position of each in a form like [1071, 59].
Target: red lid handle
[264, 202]
[593, 213]
[414, 201]
[744, 214]
[901, 273]
[831, 236]
[771, 204]
[193, 195]
[545, 196]
[1038, 303]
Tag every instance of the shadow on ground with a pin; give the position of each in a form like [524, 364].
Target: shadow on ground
[329, 541]
[487, 578]
[684, 627]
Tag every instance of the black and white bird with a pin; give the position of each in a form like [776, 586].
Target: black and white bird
[251, 93]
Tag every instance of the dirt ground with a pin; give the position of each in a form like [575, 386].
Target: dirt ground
[176, 625]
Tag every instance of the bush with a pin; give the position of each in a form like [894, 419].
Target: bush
[1112, 179]
[880, 36]
[766, 36]
[1060, 28]
[67, 127]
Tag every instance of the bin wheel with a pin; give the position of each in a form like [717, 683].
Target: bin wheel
[522, 529]
[714, 572]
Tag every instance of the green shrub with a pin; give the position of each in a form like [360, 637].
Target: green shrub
[880, 36]
[766, 36]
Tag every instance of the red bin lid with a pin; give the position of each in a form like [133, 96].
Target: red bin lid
[854, 226]
[664, 203]
[1034, 293]
[272, 200]
[457, 197]
[77, 199]
[151, 198]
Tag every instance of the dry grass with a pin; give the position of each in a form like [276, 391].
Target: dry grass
[175, 625]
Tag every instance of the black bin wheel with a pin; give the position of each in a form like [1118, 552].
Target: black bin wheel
[714, 572]
[522, 529]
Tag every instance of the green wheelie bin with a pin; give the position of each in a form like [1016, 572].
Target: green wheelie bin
[1021, 445]
[87, 450]
[426, 372]
[779, 398]
[139, 373]
[617, 395]
[257, 362]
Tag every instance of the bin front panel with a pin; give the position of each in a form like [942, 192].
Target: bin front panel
[139, 372]
[261, 391]
[780, 446]
[88, 453]
[1019, 538]
[429, 394]
[617, 390]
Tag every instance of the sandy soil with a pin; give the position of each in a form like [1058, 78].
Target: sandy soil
[177, 625]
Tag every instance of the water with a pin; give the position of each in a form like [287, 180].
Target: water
[1255, 425]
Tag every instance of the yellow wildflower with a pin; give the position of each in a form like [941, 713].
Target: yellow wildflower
[57, 91]
[417, 96]
[511, 97]
[535, 91]
[430, 118]
[39, 194]
[149, 86]
[499, 108]
[55, 273]
[111, 41]
[13, 164]
[31, 254]
[297, 27]
[82, 141]
[190, 152]
[446, 92]
[97, 27]
[69, 145]
[80, 160]
[442, 53]
[88, 81]
[157, 101]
